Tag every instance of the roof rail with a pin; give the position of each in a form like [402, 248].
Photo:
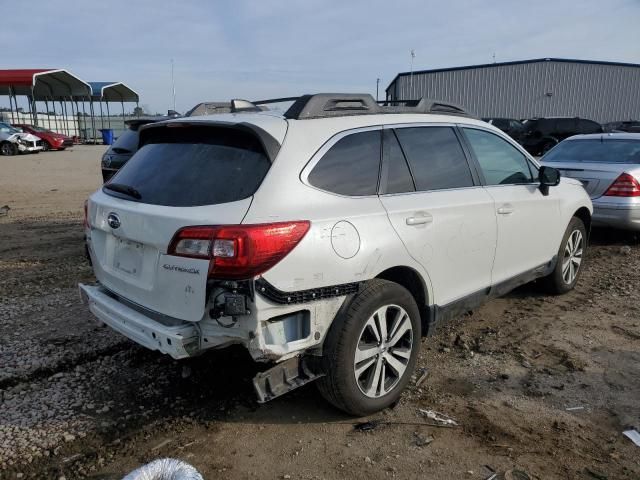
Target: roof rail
[325, 105]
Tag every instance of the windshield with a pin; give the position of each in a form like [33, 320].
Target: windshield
[8, 128]
[39, 129]
[596, 151]
[188, 167]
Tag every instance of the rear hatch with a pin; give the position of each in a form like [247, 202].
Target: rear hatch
[183, 175]
[596, 162]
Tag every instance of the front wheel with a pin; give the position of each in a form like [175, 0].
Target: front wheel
[8, 148]
[568, 267]
[371, 349]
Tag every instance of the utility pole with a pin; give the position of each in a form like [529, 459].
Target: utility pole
[173, 86]
[413, 55]
[494, 57]
[377, 86]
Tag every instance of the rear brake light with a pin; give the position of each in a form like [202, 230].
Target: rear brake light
[85, 222]
[625, 186]
[239, 251]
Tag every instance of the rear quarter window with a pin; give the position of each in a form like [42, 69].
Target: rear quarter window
[194, 166]
[351, 166]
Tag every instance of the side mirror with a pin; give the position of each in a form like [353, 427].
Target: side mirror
[548, 177]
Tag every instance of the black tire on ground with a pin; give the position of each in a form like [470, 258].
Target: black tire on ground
[562, 279]
[8, 148]
[339, 385]
[45, 146]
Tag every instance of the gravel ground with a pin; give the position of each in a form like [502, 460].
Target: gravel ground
[79, 401]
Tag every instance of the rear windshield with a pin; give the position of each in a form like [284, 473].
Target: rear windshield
[128, 141]
[596, 151]
[192, 166]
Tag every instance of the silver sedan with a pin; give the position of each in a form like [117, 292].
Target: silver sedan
[608, 165]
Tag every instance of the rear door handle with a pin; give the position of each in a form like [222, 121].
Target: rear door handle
[505, 209]
[419, 218]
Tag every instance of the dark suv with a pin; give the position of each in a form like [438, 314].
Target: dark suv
[124, 147]
[542, 134]
[512, 127]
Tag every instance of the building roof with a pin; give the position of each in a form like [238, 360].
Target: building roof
[113, 92]
[43, 83]
[517, 62]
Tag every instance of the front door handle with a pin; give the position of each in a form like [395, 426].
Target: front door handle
[419, 218]
[505, 209]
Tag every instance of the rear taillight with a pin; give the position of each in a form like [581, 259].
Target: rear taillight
[239, 251]
[625, 186]
[85, 222]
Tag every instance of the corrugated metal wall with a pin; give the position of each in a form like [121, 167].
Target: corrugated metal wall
[600, 92]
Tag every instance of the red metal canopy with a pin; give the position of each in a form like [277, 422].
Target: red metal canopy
[43, 84]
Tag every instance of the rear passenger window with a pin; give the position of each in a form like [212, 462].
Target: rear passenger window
[500, 162]
[436, 158]
[351, 166]
[396, 177]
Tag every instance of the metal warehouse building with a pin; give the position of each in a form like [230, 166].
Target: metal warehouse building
[601, 91]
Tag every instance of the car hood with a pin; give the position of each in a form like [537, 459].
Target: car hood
[13, 137]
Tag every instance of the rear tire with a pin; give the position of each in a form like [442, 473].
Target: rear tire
[371, 349]
[45, 146]
[568, 267]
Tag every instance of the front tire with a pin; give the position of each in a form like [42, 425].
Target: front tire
[8, 148]
[568, 267]
[371, 349]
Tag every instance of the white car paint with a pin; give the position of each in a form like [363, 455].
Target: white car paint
[459, 245]
[25, 142]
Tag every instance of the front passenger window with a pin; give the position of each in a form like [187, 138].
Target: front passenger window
[501, 163]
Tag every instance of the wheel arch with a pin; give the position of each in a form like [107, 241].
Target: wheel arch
[410, 279]
[584, 214]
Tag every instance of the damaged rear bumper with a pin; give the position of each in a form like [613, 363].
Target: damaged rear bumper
[178, 341]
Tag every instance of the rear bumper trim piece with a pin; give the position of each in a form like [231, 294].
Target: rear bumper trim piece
[179, 341]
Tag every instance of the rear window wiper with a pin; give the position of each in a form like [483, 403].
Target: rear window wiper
[122, 188]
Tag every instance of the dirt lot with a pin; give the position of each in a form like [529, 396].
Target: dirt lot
[542, 387]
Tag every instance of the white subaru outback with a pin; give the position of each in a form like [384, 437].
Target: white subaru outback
[326, 240]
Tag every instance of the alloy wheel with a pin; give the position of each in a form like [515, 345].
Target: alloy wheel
[572, 258]
[383, 351]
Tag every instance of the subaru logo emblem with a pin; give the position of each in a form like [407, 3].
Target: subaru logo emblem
[113, 220]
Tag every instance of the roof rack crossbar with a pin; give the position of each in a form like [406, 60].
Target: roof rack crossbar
[239, 105]
[275, 100]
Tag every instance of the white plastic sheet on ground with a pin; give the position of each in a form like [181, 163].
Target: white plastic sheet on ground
[165, 469]
[633, 435]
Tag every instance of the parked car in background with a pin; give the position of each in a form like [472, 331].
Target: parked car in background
[14, 141]
[608, 166]
[630, 126]
[124, 147]
[50, 140]
[512, 127]
[542, 134]
[326, 240]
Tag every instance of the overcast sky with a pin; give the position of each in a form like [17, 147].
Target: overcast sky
[265, 48]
